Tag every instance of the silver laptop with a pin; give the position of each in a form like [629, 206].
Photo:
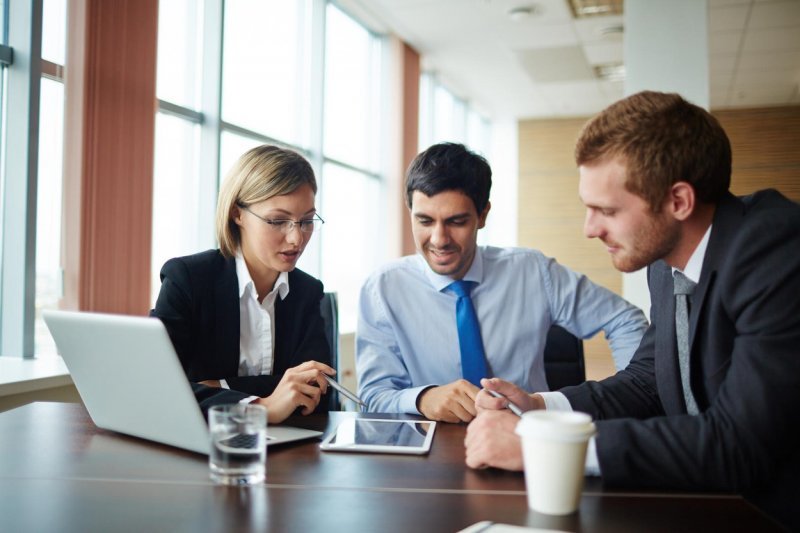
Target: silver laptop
[131, 381]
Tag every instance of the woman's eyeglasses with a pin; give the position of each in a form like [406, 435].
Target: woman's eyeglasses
[286, 226]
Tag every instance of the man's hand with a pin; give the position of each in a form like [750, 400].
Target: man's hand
[454, 402]
[491, 441]
[301, 386]
[486, 402]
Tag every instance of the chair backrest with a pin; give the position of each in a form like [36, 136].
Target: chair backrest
[329, 309]
[563, 359]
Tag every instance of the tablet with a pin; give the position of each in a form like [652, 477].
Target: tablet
[381, 436]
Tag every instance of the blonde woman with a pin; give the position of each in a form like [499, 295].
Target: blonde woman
[245, 322]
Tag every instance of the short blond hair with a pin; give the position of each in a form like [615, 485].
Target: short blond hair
[259, 174]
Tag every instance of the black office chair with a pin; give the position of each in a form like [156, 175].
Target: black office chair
[563, 359]
[329, 308]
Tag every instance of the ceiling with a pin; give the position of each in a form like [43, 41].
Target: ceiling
[543, 65]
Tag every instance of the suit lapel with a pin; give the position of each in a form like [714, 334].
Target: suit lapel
[727, 219]
[666, 361]
[226, 308]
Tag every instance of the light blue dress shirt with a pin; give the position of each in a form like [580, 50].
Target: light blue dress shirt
[407, 340]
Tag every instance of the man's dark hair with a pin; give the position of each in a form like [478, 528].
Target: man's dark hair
[450, 167]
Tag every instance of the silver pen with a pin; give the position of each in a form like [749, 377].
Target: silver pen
[346, 393]
[511, 405]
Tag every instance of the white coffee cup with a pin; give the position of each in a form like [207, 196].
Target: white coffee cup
[554, 452]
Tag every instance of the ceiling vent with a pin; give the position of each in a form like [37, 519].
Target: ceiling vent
[594, 8]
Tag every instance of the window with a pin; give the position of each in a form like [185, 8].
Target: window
[265, 74]
[176, 188]
[446, 118]
[302, 74]
[351, 186]
[49, 288]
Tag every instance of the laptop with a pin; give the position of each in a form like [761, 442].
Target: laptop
[131, 381]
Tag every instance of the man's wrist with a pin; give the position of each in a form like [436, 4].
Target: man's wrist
[538, 401]
[420, 395]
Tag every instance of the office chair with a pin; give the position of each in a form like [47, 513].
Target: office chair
[329, 309]
[563, 359]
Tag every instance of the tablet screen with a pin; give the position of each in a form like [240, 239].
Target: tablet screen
[398, 436]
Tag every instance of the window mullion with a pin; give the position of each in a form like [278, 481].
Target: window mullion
[316, 117]
[211, 109]
[18, 289]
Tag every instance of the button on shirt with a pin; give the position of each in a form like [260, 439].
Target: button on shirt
[407, 338]
[256, 322]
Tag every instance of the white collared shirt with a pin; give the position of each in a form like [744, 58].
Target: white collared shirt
[256, 322]
[556, 401]
[694, 265]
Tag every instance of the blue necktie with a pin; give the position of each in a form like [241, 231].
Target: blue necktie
[473, 360]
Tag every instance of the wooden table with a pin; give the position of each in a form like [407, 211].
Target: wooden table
[58, 472]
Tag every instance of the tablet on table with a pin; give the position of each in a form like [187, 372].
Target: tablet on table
[381, 435]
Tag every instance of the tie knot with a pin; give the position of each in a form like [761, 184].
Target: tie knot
[682, 284]
[461, 288]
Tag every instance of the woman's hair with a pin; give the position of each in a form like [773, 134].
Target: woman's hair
[259, 174]
[662, 139]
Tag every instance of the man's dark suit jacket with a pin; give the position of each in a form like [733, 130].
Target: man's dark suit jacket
[199, 305]
[745, 371]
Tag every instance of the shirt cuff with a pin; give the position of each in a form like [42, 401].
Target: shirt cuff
[224, 384]
[409, 397]
[249, 399]
[555, 401]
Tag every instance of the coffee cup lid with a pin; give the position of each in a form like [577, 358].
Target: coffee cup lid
[564, 426]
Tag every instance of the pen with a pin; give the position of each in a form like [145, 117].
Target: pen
[346, 393]
[511, 405]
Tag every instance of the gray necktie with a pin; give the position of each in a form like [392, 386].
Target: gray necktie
[684, 287]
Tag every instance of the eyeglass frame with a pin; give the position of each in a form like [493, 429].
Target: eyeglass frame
[278, 224]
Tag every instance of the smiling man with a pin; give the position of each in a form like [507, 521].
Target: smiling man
[710, 400]
[424, 342]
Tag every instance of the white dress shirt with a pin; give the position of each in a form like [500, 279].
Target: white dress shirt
[256, 322]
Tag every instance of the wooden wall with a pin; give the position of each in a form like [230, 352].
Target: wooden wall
[766, 149]
[765, 154]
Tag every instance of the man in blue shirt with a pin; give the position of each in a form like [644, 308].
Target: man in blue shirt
[408, 353]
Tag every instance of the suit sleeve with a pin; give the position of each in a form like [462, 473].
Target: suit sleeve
[174, 308]
[631, 392]
[208, 397]
[749, 432]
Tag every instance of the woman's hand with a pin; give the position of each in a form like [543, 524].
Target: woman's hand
[301, 386]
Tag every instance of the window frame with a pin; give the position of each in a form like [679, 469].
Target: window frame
[209, 116]
[20, 159]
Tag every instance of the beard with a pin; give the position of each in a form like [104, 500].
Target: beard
[651, 241]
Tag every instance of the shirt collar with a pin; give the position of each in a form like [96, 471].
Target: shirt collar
[694, 266]
[440, 282]
[246, 281]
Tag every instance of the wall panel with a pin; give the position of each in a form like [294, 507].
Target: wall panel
[765, 154]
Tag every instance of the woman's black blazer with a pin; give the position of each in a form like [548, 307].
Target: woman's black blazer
[199, 305]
